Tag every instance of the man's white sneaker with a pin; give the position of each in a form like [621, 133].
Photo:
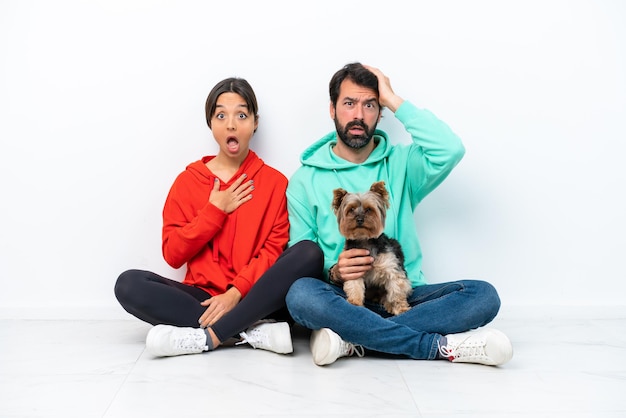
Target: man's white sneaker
[327, 347]
[168, 340]
[270, 336]
[484, 346]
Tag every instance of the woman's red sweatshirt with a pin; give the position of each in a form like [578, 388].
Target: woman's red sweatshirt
[223, 250]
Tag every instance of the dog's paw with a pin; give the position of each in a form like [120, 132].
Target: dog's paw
[397, 308]
[355, 291]
[356, 301]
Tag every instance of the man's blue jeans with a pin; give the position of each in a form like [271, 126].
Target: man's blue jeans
[436, 310]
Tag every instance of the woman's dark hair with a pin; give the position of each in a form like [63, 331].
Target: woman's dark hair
[231, 85]
[356, 72]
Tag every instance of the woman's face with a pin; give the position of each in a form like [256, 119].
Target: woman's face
[233, 125]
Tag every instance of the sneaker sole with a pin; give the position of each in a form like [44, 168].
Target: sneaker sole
[153, 336]
[506, 352]
[322, 346]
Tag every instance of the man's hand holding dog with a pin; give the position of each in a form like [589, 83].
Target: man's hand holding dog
[353, 264]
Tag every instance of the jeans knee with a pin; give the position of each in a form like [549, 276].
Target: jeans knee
[294, 294]
[307, 302]
[301, 295]
[491, 299]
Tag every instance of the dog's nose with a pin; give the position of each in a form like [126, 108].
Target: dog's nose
[359, 220]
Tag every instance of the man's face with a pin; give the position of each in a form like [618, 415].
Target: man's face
[356, 114]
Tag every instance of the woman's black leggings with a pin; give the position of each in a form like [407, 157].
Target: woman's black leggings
[158, 300]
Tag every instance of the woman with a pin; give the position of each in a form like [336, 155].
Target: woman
[226, 218]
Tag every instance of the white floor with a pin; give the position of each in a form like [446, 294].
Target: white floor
[564, 366]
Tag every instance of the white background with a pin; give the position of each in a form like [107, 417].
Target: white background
[102, 105]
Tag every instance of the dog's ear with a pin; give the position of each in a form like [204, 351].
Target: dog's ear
[338, 195]
[380, 189]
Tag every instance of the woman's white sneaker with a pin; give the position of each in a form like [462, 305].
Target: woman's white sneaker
[483, 346]
[269, 335]
[168, 340]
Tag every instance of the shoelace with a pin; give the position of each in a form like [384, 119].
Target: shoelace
[255, 338]
[463, 350]
[351, 349]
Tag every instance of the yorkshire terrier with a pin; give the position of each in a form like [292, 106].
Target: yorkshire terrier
[361, 218]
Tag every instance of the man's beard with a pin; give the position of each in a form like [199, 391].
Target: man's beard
[354, 141]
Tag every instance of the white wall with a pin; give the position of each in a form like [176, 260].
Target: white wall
[101, 106]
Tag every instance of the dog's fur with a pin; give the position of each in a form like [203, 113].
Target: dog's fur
[361, 218]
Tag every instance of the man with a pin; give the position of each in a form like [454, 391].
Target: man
[445, 319]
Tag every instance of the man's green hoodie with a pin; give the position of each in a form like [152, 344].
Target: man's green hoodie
[410, 172]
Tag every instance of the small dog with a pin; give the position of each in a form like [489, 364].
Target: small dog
[361, 218]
